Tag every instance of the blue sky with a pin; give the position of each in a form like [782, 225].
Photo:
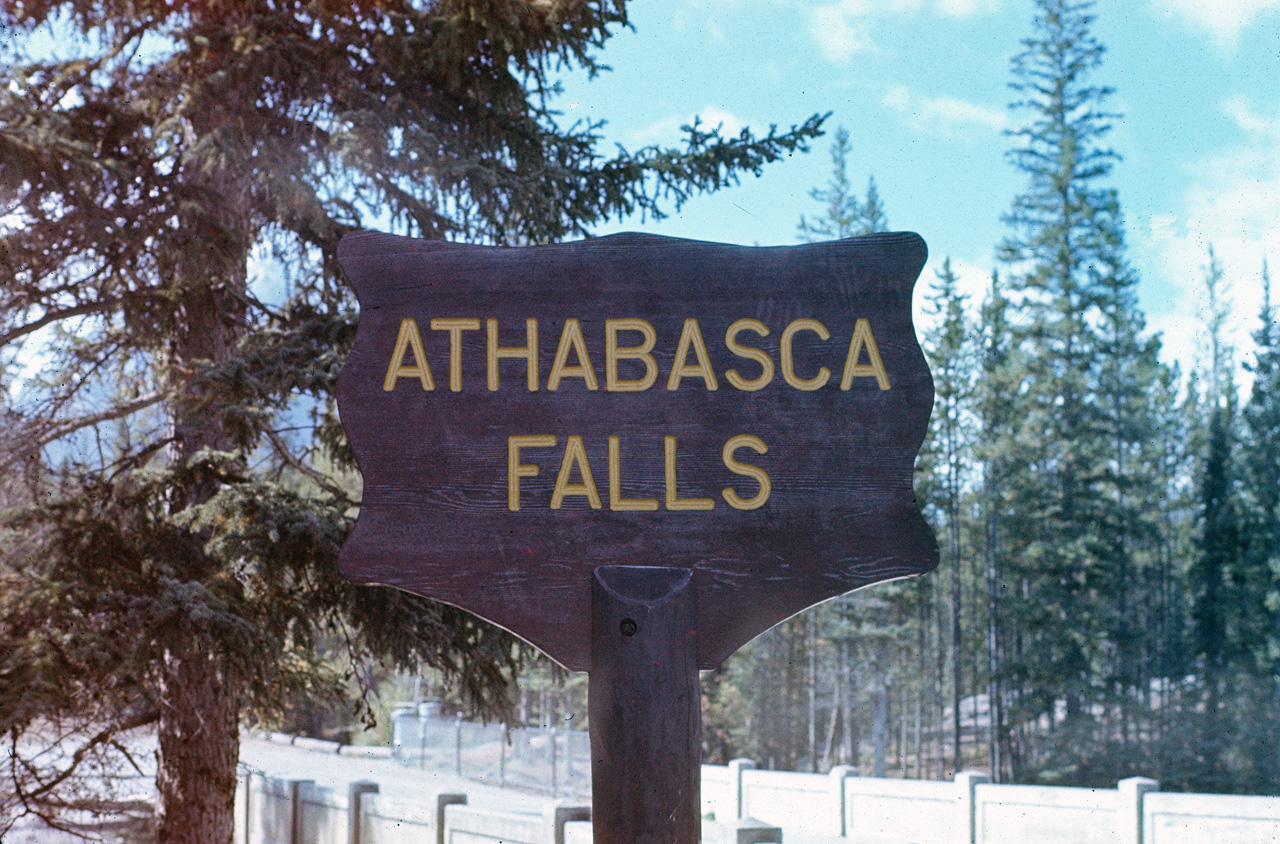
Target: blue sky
[922, 86]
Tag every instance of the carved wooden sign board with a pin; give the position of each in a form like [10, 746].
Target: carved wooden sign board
[522, 416]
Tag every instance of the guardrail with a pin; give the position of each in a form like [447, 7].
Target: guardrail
[548, 759]
[742, 804]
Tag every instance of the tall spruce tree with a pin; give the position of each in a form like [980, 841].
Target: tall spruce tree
[844, 215]
[1215, 575]
[948, 347]
[996, 411]
[162, 168]
[1073, 286]
[1262, 541]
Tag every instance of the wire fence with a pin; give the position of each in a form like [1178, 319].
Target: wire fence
[546, 759]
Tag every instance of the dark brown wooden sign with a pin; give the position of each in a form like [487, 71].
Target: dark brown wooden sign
[523, 416]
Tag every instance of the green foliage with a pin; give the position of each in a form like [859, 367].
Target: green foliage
[1108, 603]
[184, 471]
[843, 214]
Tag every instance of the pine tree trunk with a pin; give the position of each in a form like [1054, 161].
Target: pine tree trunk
[200, 690]
[199, 749]
[880, 726]
[811, 645]
[850, 726]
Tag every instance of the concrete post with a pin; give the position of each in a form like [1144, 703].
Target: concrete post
[559, 814]
[838, 775]
[295, 809]
[248, 808]
[355, 791]
[1130, 820]
[736, 767]
[444, 801]
[967, 783]
[752, 831]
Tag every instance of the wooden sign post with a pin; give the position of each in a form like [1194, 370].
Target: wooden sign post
[636, 453]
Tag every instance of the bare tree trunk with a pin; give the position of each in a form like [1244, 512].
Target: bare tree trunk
[811, 642]
[994, 709]
[848, 723]
[831, 734]
[957, 664]
[880, 726]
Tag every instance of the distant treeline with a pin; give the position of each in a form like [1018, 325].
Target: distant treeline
[1108, 603]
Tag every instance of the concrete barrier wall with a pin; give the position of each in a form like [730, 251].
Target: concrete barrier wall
[273, 804]
[578, 832]
[810, 808]
[1210, 819]
[384, 820]
[804, 802]
[1004, 814]
[324, 814]
[719, 792]
[464, 825]
[918, 811]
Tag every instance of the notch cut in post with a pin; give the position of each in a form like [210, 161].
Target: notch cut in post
[644, 698]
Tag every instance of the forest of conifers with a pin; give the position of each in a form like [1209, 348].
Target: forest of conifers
[1107, 603]
[172, 465]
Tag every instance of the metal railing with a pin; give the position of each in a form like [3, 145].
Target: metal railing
[547, 759]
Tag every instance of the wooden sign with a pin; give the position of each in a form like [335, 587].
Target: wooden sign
[523, 416]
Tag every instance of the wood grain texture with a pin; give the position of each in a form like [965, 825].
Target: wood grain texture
[435, 520]
[645, 705]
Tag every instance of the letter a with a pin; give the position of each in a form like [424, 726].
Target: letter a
[408, 338]
[862, 336]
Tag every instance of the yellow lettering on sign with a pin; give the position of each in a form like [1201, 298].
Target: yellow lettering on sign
[616, 501]
[674, 502]
[529, 352]
[788, 362]
[517, 470]
[614, 353]
[571, 338]
[758, 355]
[863, 338]
[575, 454]
[455, 327]
[691, 336]
[407, 339]
[760, 475]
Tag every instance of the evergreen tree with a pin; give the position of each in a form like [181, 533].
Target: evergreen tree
[1077, 417]
[1261, 476]
[1215, 573]
[844, 215]
[996, 406]
[160, 175]
[947, 346]
[1216, 568]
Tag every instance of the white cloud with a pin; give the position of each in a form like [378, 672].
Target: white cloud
[1224, 19]
[843, 29]
[944, 116]
[1233, 206]
[967, 8]
[667, 130]
[973, 281]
